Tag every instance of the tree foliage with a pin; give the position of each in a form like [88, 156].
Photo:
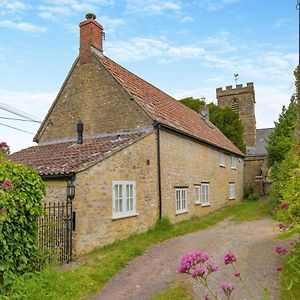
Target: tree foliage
[21, 191]
[280, 141]
[283, 154]
[225, 119]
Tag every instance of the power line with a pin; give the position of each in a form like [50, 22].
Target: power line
[16, 119]
[18, 112]
[16, 128]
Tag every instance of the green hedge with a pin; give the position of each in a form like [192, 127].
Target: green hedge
[21, 191]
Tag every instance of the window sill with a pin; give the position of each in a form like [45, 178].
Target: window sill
[205, 205]
[181, 212]
[231, 199]
[222, 166]
[197, 203]
[124, 216]
[232, 168]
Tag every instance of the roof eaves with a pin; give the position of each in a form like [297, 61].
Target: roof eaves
[202, 141]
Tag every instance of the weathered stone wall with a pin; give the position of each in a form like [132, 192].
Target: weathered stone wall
[93, 200]
[93, 96]
[56, 191]
[255, 173]
[245, 100]
[186, 163]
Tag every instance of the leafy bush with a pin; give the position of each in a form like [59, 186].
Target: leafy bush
[249, 195]
[280, 141]
[21, 191]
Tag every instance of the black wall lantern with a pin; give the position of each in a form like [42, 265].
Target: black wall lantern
[70, 190]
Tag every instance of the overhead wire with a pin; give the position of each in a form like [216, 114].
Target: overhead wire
[16, 128]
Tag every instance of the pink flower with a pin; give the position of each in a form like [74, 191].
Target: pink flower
[3, 210]
[282, 226]
[279, 268]
[293, 243]
[205, 296]
[281, 250]
[199, 272]
[229, 258]
[227, 288]
[211, 267]
[4, 147]
[190, 260]
[237, 274]
[284, 205]
[6, 184]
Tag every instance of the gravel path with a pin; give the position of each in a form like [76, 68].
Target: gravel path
[253, 243]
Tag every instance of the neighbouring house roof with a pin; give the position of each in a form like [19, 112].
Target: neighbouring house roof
[261, 142]
[70, 157]
[166, 110]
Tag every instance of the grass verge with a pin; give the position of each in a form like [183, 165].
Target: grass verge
[102, 263]
[182, 290]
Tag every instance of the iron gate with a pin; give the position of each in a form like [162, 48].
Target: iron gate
[55, 232]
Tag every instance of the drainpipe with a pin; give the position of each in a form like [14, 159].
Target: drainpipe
[159, 168]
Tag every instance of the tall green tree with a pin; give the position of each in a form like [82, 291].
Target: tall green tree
[225, 119]
[280, 141]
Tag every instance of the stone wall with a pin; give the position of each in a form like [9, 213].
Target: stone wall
[256, 173]
[92, 95]
[186, 163]
[56, 191]
[93, 200]
[244, 98]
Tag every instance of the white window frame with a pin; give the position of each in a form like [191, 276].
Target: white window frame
[221, 159]
[205, 194]
[128, 208]
[197, 191]
[231, 191]
[181, 200]
[233, 162]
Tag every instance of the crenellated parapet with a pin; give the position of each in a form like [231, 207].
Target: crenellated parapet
[239, 89]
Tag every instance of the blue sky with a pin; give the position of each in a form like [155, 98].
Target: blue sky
[186, 48]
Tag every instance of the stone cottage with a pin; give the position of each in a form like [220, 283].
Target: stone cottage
[142, 155]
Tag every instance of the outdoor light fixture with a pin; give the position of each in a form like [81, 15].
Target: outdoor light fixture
[70, 189]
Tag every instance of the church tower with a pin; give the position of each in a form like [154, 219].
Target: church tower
[242, 100]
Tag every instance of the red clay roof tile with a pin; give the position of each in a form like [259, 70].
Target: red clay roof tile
[166, 110]
[70, 157]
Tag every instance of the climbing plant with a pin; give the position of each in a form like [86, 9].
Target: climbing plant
[21, 191]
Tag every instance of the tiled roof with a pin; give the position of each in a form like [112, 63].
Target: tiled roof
[70, 157]
[261, 141]
[166, 110]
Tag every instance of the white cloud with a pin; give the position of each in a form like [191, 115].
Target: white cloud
[152, 6]
[22, 26]
[213, 5]
[23, 101]
[13, 5]
[140, 48]
[110, 24]
[54, 9]
[186, 19]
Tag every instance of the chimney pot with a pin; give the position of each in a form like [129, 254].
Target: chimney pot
[204, 112]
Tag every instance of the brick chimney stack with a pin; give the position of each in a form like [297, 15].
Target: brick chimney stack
[91, 34]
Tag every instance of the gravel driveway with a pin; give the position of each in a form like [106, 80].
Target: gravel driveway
[253, 242]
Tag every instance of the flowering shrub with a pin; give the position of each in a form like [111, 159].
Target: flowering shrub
[21, 191]
[198, 265]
